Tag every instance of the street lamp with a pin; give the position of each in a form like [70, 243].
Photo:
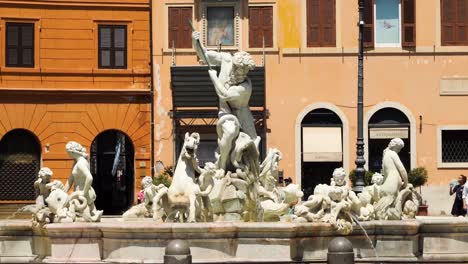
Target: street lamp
[360, 161]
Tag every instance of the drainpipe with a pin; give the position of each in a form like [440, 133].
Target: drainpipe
[151, 86]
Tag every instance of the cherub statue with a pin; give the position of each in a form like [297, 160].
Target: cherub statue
[40, 185]
[329, 203]
[146, 208]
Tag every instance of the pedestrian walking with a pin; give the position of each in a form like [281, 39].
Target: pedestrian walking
[459, 205]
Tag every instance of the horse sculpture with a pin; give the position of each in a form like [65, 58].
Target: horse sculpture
[183, 194]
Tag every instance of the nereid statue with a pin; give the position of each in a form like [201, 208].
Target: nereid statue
[390, 197]
[54, 204]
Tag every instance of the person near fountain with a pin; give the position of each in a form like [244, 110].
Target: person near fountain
[459, 205]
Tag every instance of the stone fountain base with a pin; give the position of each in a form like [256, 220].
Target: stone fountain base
[113, 240]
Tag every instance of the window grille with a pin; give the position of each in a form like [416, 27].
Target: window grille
[455, 146]
[19, 165]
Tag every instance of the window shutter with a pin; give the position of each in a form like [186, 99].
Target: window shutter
[174, 20]
[268, 26]
[327, 21]
[313, 23]
[260, 26]
[185, 35]
[408, 24]
[120, 45]
[27, 44]
[19, 44]
[254, 27]
[462, 22]
[112, 46]
[180, 31]
[12, 39]
[368, 33]
[448, 15]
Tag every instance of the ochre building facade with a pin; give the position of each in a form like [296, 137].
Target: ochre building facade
[415, 82]
[75, 70]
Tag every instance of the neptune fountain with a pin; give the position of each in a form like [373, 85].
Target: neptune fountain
[231, 209]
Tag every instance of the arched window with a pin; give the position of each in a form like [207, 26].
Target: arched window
[20, 154]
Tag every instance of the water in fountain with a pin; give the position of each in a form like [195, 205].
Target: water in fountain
[367, 236]
[20, 210]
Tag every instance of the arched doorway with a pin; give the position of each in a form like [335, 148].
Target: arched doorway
[321, 148]
[20, 158]
[384, 125]
[112, 166]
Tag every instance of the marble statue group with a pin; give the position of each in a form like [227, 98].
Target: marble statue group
[237, 186]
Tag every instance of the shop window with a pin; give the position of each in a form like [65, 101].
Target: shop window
[321, 27]
[261, 26]
[19, 44]
[454, 147]
[180, 32]
[454, 24]
[112, 46]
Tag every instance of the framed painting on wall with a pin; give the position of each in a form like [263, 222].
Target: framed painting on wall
[220, 28]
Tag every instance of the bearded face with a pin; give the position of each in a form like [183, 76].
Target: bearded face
[238, 74]
[242, 63]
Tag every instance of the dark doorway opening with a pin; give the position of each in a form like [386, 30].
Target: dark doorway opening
[20, 154]
[384, 125]
[318, 162]
[112, 166]
[315, 173]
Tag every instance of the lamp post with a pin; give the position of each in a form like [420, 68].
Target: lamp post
[360, 161]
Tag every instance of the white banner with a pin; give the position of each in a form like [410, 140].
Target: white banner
[388, 133]
[322, 144]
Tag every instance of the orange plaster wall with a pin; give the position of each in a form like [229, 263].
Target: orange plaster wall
[297, 78]
[56, 124]
[66, 58]
[66, 40]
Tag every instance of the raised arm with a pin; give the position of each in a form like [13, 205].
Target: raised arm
[214, 58]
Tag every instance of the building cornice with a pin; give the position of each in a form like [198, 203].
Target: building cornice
[45, 91]
[80, 3]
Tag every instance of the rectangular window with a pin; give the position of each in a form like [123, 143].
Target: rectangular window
[19, 44]
[387, 23]
[454, 146]
[220, 28]
[180, 32]
[112, 46]
[261, 26]
[454, 24]
[321, 26]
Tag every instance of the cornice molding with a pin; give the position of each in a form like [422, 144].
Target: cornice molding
[144, 4]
